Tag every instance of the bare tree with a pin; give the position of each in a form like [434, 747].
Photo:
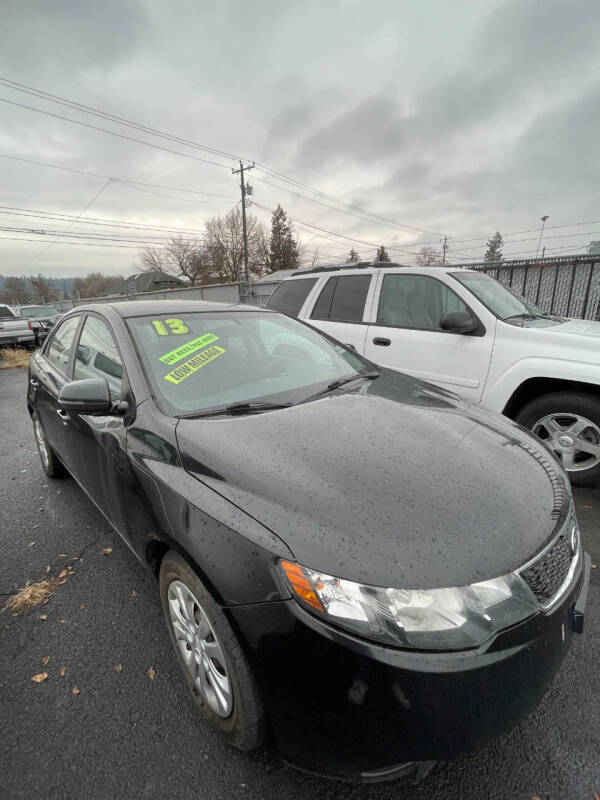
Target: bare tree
[180, 257]
[16, 291]
[94, 284]
[224, 246]
[428, 257]
[43, 291]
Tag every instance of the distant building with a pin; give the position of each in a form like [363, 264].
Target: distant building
[151, 281]
[594, 249]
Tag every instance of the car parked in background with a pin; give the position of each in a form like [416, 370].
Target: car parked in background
[375, 570]
[14, 330]
[41, 317]
[465, 331]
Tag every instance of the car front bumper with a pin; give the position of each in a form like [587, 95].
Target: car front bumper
[345, 707]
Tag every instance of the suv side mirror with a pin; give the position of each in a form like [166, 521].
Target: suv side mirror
[88, 396]
[459, 322]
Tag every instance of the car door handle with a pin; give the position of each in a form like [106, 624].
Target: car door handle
[382, 342]
[65, 418]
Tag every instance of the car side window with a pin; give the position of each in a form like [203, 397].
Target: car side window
[98, 356]
[416, 301]
[289, 296]
[343, 299]
[58, 351]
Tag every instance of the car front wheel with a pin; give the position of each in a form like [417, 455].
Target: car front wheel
[50, 462]
[569, 424]
[209, 653]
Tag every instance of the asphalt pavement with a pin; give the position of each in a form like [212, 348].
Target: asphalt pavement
[127, 735]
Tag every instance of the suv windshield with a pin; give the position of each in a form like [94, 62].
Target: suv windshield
[204, 362]
[30, 312]
[500, 300]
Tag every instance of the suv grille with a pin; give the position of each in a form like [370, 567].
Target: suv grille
[546, 575]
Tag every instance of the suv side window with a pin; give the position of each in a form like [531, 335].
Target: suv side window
[416, 301]
[289, 296]
[343, 299]
[98, 357]
[58, 352]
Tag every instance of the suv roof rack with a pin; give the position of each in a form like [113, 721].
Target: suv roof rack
[349, 265]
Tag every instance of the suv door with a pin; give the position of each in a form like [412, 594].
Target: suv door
[53, 368]
[407, 335]
[339, 309]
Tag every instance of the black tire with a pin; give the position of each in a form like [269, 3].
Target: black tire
[245, 726]
[567, 403]
[50, 462]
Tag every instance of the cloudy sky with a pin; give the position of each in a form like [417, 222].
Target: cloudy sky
[398, 121]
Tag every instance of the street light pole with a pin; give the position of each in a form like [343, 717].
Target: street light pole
[543, 219]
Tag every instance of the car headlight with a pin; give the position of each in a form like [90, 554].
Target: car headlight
[432, 619]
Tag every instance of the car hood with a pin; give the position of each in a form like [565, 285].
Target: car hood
[396, 483]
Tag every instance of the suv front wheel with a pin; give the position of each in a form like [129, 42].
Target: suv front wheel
[569, 424]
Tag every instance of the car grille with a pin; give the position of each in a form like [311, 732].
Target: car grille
[546, 575]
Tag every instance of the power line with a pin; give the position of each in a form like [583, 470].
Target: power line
[112, 133]
[49, 97]
[128, 181]
[83, 210]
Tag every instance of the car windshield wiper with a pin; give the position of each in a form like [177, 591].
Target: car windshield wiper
[525, 316]
[236, 408]
[370, 375]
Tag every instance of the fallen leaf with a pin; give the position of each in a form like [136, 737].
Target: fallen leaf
[151, 673]
[43, 616]
[588, 507]
[45, 660]
[596, 796]
[594, 567]
[82, 606]
[107, 551]
[118, 667]
[62, 555]
[75, 690]
[133, 593]
[48, 568]
[63, 572]
[41, 676]
[31, 544]
[63, 672]
[62, 622]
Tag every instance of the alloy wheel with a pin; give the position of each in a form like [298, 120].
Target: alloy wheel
[574, 439]
[200, 649]
[42, 444]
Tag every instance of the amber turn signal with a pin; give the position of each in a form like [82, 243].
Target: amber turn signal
[301, 584]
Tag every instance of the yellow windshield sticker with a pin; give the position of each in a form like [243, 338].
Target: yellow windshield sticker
[187, 349]
[188, 368]
[165, 327]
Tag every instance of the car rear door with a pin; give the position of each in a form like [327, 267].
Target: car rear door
[340, 308]
[53, 368]
[406, 334]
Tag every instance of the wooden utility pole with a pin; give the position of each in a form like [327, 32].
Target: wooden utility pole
[243, 188]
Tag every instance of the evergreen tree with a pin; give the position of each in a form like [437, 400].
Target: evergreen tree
[382, 254]
[494, 248]
[352, 257]
[283, 248]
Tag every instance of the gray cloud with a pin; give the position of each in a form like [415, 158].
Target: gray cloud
[458, 118]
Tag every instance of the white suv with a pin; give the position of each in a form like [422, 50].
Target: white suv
[466, 332]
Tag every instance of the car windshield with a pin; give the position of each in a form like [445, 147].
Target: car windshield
[38, 311]
[500, 300]
[204, 362]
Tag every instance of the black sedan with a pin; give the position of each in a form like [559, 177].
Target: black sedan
[364, 565]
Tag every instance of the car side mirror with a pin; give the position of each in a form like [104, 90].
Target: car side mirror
[88, 396]
[459, 322]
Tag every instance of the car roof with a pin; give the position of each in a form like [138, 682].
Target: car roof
[143, 308]
[370, 267]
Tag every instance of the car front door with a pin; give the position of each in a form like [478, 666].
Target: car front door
[99, 442]
[406, 334]
[339, 309]
[52, 370]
